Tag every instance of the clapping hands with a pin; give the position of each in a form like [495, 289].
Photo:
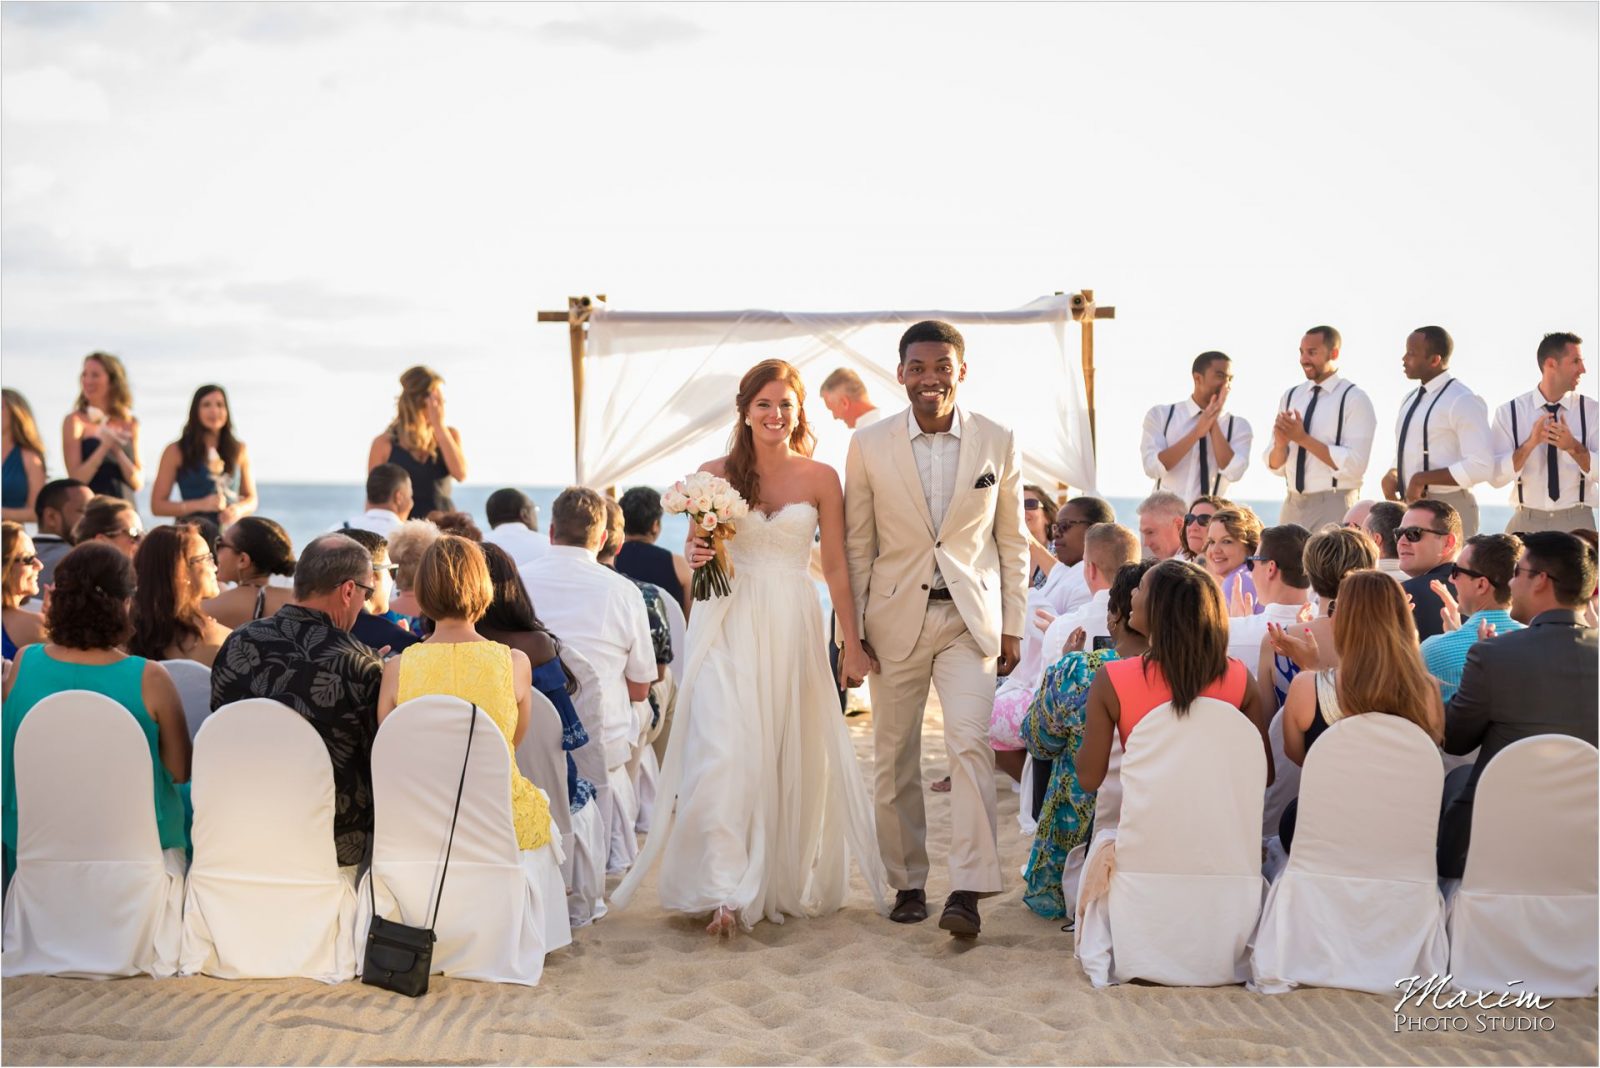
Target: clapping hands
[1301, 648]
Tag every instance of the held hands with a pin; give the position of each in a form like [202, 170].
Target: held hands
[855, 663]
[1010, 653]
[1450, 612]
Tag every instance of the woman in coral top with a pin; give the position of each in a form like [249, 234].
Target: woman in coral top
[1179, 608]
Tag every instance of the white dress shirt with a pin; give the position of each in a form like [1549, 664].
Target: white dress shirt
[1065, 589]
[523, 545]
[1344, 421]
[601, 614]
[1091, 617]
[1457, 433]
[378, 520]
[867, 418]
[1245, 632]
[1532, 486]
[1166, 423]
[937, 456]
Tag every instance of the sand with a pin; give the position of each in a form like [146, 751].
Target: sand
[640, 987]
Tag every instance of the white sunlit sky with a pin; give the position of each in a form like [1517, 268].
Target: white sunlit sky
[298, 201]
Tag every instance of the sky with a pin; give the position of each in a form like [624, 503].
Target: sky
[299, 201]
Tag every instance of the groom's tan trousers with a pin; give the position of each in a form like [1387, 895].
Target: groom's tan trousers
[946, 656]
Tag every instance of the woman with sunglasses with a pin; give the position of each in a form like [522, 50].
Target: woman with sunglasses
[1232, 539]
[1038, 513]
[1197, 524]
[249, 554]
[112, 520]
[175, 573]
[18, 626]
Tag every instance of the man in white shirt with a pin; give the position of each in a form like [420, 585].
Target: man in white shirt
[1107, 549]
[1284, 590]
[1161, 525]
[1322, 437]
[1443, 447]
[514, 525]
[1545, 440]
[388, 501]
[601, 615]
[845, 396]
[1193, 447]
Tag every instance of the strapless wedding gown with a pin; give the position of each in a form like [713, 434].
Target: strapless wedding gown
[761, 805]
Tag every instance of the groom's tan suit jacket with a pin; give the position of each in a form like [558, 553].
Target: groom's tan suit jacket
[981, 548]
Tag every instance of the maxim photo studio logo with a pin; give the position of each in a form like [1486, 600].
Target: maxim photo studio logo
[1433, 1004]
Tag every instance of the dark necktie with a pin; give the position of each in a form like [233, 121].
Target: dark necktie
[1552, 471]
[1205, 466]
[1300, 461]
[1400, 453]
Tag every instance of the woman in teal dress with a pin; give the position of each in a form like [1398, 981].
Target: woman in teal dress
[1053, 729]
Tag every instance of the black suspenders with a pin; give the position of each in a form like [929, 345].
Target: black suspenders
[1216, 480]
[1583, 439]
[1338, 433]
[1428, 415]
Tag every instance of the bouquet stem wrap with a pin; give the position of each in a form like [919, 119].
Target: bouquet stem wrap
[711, 505]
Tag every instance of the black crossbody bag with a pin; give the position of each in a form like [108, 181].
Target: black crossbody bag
[400, 957]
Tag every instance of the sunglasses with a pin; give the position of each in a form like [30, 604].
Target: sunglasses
[1414, 534]
[132, 534]
[1031, 504]
[1456, 571]
[1250, 562]
[1529, 571]
[363, 586]
[1191, 519]
[202, 558]
[26, 561]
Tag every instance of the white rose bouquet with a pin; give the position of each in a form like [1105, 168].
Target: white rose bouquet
[711, 505]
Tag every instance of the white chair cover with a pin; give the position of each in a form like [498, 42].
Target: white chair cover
[503, 909]
[648, 775]
[1182, 868]
[585, 867]
[679, 626]
[193, 681]
[1358, 905]
[1107, 811]
[543, 762]
[590, 759]
[1285, 781]
[266, 896]
[94, 895]
[1526, 906]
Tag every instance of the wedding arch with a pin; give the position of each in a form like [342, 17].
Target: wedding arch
[653, 391]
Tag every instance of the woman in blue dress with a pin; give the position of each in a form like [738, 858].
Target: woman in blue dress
[100, 436]
[210, 466]
[23, 452]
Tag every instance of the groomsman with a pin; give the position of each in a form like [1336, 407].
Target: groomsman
[1194, 448]
[1322, 437]
[1545, 441]
[1442, 443]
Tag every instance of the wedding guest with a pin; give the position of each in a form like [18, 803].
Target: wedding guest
[19, 627]
[210, 466]
[110, 519]
[662, 691]
[1328, 557]
[1197, 524]
[1053, 731]
[59, 507]
[1481, 578]
[1322, 437]
[1194, 447]
[1064, 588]
[100, 436]
[22, 473]
[1545, 441]
[1231, 539]
[419, 441]
[87, 621]
[458, 523]
[175, 573]
[1038, 512]
[1383, 519]
[845, 396]
[1283, 590]
[1107, 549]
[406, 546]
[304, 656]
[388, 501]
[1356, 517]
[514, 525]
[1442, 432]
[641, 558]
[1380, 672]
[1161, 525]
[373, 626]
[251, 552]
[1541, 680]
[1428, 539]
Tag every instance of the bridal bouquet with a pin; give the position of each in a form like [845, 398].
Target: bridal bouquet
[711, 505]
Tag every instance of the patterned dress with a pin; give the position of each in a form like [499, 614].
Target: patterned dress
[1053, 730]
[660, 636]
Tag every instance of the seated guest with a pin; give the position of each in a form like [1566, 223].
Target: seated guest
[175, 573]
[1428, 539]
[1481, 577]
[88, 619]
[1197, 524]
[388, 500]
[1231, 539]
[458, 523]
[58, 507]
[1107, 549]
[1038, 513]
[1053, 730]
[1541, 680]
[112, 520]
[640, 558]
[1161, 525]
[1178, 607]
[304, 656]
[18, 626]
[1329, 557]
[654, 601]
[514, 525]
[1383, 519]
[1278, 570]
[1356, 517]
[1379, 671]
[406, 545]
[373, 625]
[249, 555]
[1064, 588]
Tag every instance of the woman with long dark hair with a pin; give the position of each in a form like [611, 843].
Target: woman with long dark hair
[418, 440]
[22, 473]
[210, 466]
[100, 436]
[176, 572]
[249, 554]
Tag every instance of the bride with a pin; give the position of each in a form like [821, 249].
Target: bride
[760, 805]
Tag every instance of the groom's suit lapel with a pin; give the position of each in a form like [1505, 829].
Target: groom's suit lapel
[905, 464]
[970, 457]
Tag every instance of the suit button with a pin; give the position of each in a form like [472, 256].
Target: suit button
[937, 544]
[924, 585]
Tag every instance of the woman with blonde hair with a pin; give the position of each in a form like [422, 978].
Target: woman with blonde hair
[1329, 557]
[175, 572]
[22, 473]
[18, 626]
[407, 545]
[418, 441]
[100, 436]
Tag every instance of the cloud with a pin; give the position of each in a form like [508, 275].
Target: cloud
[625, 28]
[50, 94]
[54, 16]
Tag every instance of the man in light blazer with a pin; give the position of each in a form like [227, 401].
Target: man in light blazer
[938, 558]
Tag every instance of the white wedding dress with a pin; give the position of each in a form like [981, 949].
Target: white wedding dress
[760, 805]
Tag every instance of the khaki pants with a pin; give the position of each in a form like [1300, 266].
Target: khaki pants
[1316, 510]
[1463, 502]
[947, 657]
[1531, 520]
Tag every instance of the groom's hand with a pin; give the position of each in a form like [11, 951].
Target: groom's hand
[1010, 653]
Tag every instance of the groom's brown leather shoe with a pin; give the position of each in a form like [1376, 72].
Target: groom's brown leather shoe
[910, 906]
[961, 914]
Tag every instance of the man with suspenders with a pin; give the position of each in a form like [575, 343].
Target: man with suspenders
[1442, 432]
[1545, 439]
[1322, 437]
[1193, 447]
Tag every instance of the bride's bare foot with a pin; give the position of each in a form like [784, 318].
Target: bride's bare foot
[723, 922]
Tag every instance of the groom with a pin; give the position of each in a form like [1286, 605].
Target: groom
[938, 565]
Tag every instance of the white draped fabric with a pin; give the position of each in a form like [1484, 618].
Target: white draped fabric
[659, 386]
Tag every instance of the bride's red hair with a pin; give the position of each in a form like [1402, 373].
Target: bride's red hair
[740, 466]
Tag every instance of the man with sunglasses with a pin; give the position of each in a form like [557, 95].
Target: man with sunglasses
[372, 626]
[1428, 539]
[1481, 577]
[1322, 436]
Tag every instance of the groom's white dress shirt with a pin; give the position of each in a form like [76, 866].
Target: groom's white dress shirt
[937, 457]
